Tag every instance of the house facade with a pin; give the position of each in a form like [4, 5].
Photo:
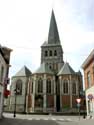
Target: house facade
[4, 68]
[54, 86]
[88, 68]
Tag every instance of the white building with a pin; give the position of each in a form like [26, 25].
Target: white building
[4, 68]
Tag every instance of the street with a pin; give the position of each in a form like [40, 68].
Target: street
[43, 120]
[11, 121]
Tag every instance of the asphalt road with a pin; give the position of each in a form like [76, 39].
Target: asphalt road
[13, 121]
[44, 120]
[9, 121]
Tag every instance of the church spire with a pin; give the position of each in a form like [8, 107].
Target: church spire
[53, 36]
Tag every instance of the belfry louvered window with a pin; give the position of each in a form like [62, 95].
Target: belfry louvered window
[55, 53]
[46, 53]
[50, 53]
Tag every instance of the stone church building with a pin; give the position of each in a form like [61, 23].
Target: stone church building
[53, 87]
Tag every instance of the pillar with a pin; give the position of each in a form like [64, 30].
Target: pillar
[70, 92]
[54, 94]
[44, 94]
[60, 80]
[33, 94]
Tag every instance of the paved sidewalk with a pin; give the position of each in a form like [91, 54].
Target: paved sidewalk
[44, 117]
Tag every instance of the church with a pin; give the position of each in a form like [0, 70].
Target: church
[53, 87]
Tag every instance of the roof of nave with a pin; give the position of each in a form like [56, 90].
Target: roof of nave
[43, 69]
[24, 71]
[66, 69]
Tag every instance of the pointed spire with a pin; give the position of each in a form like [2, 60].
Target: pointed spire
[53, 36]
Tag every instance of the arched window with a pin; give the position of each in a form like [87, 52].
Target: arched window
[73, 88]
[65, 86]
[2, 73]
[40, 86]
[19, 87]
[50, 66]
[55, 53]
[48, 86]
[32, 87]
[46, 53]
[50, 53]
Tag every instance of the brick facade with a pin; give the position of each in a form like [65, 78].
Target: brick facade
[88, 68]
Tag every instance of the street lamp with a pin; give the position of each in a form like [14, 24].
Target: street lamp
[15, 103]
[82, 95]
[16, 91]
[78, 105]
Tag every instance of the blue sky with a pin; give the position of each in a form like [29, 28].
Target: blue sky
[24, 26]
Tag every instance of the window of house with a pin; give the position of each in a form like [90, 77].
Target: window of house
[40, 86]
[2, 73]
[65, 87]
[48, 86]
[73, 88]
[19, 87]
[55, 53]
[46, 53]
[50, 53]
[89, 79]
[93, 75]
[93, 70]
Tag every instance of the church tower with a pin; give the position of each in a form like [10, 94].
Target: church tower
[51, 50]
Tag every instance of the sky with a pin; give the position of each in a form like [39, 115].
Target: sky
[24, 26]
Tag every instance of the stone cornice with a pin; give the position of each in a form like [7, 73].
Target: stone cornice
[88, 59]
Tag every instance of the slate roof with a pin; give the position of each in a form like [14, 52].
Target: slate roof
[43, 69]
[24, 71]
[45, 43]
[66, 69]
[79, 73]
[53, 36]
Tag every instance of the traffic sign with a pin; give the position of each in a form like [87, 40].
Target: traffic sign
[90, 96]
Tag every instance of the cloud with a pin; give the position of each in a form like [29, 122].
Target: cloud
[80, 12]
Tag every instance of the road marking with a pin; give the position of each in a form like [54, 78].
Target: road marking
[68, 119]
[46, 119]
[61, 119]
[53, 119]
[39, 118]
[30, 118]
